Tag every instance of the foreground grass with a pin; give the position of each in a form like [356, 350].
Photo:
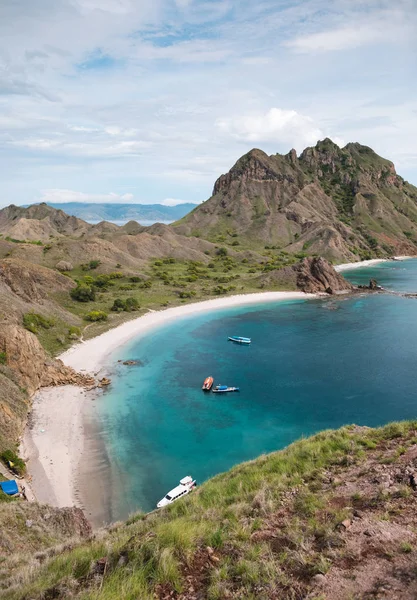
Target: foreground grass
[218, 540]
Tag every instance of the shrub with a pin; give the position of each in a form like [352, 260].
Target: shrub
[169, 261]
[32, 322]
[103, 282]
[74, 331]
[93, 264]
[158, 263]
[96, 315]
[131, 304]
[13, 461]
[118, 305]
[146, 284]
[83, 293]
[135, 279]
[222, 251]
[115, 275]
[127, 287]
[3, 358]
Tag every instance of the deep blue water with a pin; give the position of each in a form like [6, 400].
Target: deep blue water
[312, 365]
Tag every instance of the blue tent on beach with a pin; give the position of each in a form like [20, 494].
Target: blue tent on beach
[9, 487]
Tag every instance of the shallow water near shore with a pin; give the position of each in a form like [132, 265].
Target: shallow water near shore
[312, 365]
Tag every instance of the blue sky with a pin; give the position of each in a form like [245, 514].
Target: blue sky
[151, 100]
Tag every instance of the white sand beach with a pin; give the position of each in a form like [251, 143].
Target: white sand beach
[367, 263]
[90, 356]
[56, 440]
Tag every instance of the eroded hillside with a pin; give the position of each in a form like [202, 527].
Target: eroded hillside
[342, 203]
[330, 517]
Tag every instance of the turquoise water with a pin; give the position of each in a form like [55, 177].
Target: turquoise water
[312, 365]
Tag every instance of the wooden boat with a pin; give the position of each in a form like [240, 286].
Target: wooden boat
[239, 340]
[222, 389]
[208, 383]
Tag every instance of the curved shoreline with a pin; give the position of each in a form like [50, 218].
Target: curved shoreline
[90, 355]
[56, 444]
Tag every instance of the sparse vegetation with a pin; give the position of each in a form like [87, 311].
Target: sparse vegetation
[265, 529]
[96, 315]
[33, 322]
[13, 462]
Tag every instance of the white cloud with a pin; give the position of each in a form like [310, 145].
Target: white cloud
[59, 196]
[276, 125]
[337, 39]
[174, 91]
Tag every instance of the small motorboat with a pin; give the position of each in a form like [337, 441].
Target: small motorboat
[221, 389]
[239, 340]
[208, 383]
[185, 486]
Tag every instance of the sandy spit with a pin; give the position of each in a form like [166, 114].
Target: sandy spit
[367, 263]
[58, 438]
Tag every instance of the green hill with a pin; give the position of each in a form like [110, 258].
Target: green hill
[332, 516]
[344, 204]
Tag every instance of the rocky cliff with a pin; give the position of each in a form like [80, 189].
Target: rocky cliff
[310, 275]
[342, 203]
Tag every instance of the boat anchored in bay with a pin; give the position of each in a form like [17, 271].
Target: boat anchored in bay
[185, 486]
[239, 340]
[208, 384]
[221, 389]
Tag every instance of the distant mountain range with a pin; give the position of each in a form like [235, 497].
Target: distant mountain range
[95, 212]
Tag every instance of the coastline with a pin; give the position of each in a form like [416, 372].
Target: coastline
[90, 356]
[61, 444]
[367, 263]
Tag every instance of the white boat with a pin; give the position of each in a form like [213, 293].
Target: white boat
[239, 340]
[185, 486]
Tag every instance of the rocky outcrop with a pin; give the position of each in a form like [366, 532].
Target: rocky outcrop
[64, 265]
[311, 275]
[32, 366]
[318, 275]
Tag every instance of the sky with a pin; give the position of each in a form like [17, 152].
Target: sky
[151, 100]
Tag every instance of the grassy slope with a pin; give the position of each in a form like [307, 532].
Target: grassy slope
[261, 530]
[170, 281]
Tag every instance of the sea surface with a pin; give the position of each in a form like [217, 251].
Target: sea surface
[312, 365]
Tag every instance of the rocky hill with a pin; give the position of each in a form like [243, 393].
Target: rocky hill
[342, 203]
[330, 517]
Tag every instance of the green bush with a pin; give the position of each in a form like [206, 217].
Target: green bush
[146, 284]
[83, 293]
[74, 331]
[103, 282]
[128, 305]
[222, 251]
[32, 322]
[13, 461]
[3, 358]
[93, 264]
[135, 279]
[131, 304]
[118, 305]
[96, 315]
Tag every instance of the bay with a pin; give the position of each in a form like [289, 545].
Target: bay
[312, 365]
